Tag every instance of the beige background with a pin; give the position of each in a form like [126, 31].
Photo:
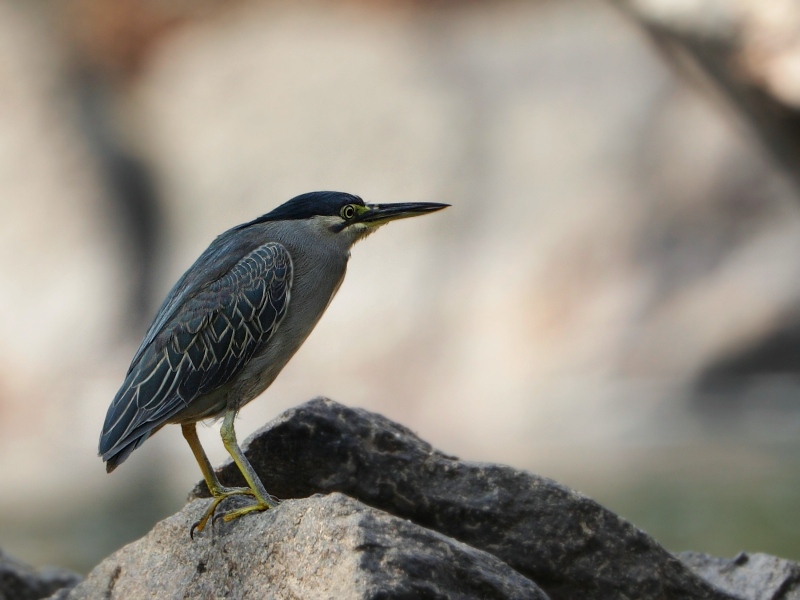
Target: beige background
[613, 230]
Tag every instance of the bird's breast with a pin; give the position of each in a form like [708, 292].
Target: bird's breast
[315, 281]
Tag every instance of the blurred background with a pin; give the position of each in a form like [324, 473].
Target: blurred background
[613, 300]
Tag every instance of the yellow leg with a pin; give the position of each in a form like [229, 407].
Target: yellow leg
[218, 491]
[264, 500]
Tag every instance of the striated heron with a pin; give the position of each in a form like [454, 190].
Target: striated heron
[233, 321]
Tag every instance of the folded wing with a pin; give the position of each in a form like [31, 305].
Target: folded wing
[203, 345]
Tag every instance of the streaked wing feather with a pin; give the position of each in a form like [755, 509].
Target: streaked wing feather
[202, 347]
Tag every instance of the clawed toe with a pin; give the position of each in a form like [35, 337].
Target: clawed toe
[246, 510]
[258, 506]
[221, 495]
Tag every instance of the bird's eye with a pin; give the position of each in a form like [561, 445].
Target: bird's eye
[348, 212]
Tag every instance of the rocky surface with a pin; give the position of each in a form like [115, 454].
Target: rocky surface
[749, 576]
[374, 512]
[19, 581]
[568, 544]
[318, 547]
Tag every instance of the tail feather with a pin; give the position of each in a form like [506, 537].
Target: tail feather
[119, 455]
[141, 407]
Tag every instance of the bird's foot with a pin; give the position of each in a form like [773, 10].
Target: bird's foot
[261, 504]
[219, 496]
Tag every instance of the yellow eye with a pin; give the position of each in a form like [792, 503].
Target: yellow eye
[348, 212]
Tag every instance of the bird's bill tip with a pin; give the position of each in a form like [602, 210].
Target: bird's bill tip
[382, 213]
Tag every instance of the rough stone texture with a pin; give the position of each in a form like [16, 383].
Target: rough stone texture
[416, 523]
[319, 547]
[19, 581]
[568, 544]
[750, 576]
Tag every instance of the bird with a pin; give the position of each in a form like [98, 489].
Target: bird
[232, 322]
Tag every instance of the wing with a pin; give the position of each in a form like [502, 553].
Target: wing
[204, 344]
[217, 260]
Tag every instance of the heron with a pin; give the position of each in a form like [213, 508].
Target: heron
[232, 322]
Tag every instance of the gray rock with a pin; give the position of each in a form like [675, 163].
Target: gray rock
[749, 576]
[319, 547]
[19, 581]
[568, 544]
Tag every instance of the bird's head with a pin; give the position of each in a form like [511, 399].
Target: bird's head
[345, 215]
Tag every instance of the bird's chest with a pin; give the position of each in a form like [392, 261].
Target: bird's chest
[314, 284]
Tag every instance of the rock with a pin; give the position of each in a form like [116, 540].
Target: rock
[749, 576]
[19, 581]
[319, 547]
[568, 544]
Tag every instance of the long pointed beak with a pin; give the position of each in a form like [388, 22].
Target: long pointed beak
[378, 214]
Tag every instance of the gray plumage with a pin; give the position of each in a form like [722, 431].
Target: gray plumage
[236, 317]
